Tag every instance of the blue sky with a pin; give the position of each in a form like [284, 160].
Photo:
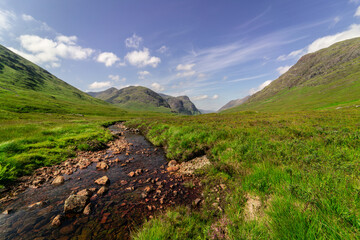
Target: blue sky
[213, 51]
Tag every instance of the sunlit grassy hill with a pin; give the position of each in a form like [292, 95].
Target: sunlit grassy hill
[27, 88]
[329, 78]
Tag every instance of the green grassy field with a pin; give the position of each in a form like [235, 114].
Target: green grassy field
[303, 166]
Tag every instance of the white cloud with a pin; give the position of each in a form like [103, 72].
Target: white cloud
[201, 75]
[27, 18]
[291, 55]
[336, 20]
[157, 87]
[261, 87]
[327, 41]
[6, 18]
[185, 74]
[184, 67]
[108, 58]
[143, 74]
[357, 13]
[283, 69]
[114, 77]
[42, 50]
[201, 97]
[133, 42]
[142, 58]
[354, 1]
[352, 32]
[163, 49]
[71, 40]
[215, 96]
[99, 85]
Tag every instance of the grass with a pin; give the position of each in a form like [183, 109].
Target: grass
[304, 166]
[326, 79]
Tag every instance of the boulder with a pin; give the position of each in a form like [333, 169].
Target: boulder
[102, 166]
[56, 221]
[103, 180]
[172, 169]
[75, 203]
[58, 180]
[131, 174]
[172, 163]
[85, 192]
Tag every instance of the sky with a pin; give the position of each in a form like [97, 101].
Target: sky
[212, 51]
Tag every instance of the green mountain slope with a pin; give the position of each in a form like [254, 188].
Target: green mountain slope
[144, 99]
[234, 103]
[25, 87]
[329, 78]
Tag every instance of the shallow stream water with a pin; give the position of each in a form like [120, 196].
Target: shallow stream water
[113, 215]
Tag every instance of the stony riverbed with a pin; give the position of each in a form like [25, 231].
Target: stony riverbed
[141, 183]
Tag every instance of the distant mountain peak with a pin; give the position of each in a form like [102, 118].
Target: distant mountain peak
[142, 98]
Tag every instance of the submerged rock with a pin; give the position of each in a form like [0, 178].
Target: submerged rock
[102, 191]
[103, 180]
[56, 221]
[87, 209]
[75, 203]
[58, 180]
[8, 211]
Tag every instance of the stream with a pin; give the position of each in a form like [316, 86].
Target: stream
[114, 215]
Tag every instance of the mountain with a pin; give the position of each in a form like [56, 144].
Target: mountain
[26, 87]
[234, 103]
[328, 78]
[181, 104]
[144, 99]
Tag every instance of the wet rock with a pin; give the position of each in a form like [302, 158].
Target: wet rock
[104, 218]
[56, 222]
[8, 211]
[102, 191]
[67, 229]
[87, 209]
[75, 203]
[131, 174]
[84, 163]
[102, 166]
[36, 204]
[130, 189]
[123, 182]
[92, 189]
[161, 200]
[148, 189]
[103, 180]
[85, 192]
[149, 207]
[173, 169]
[144, 195]
[138, 172]
[197, 202]
[58, 180]
[38, 181]
[172, 163]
